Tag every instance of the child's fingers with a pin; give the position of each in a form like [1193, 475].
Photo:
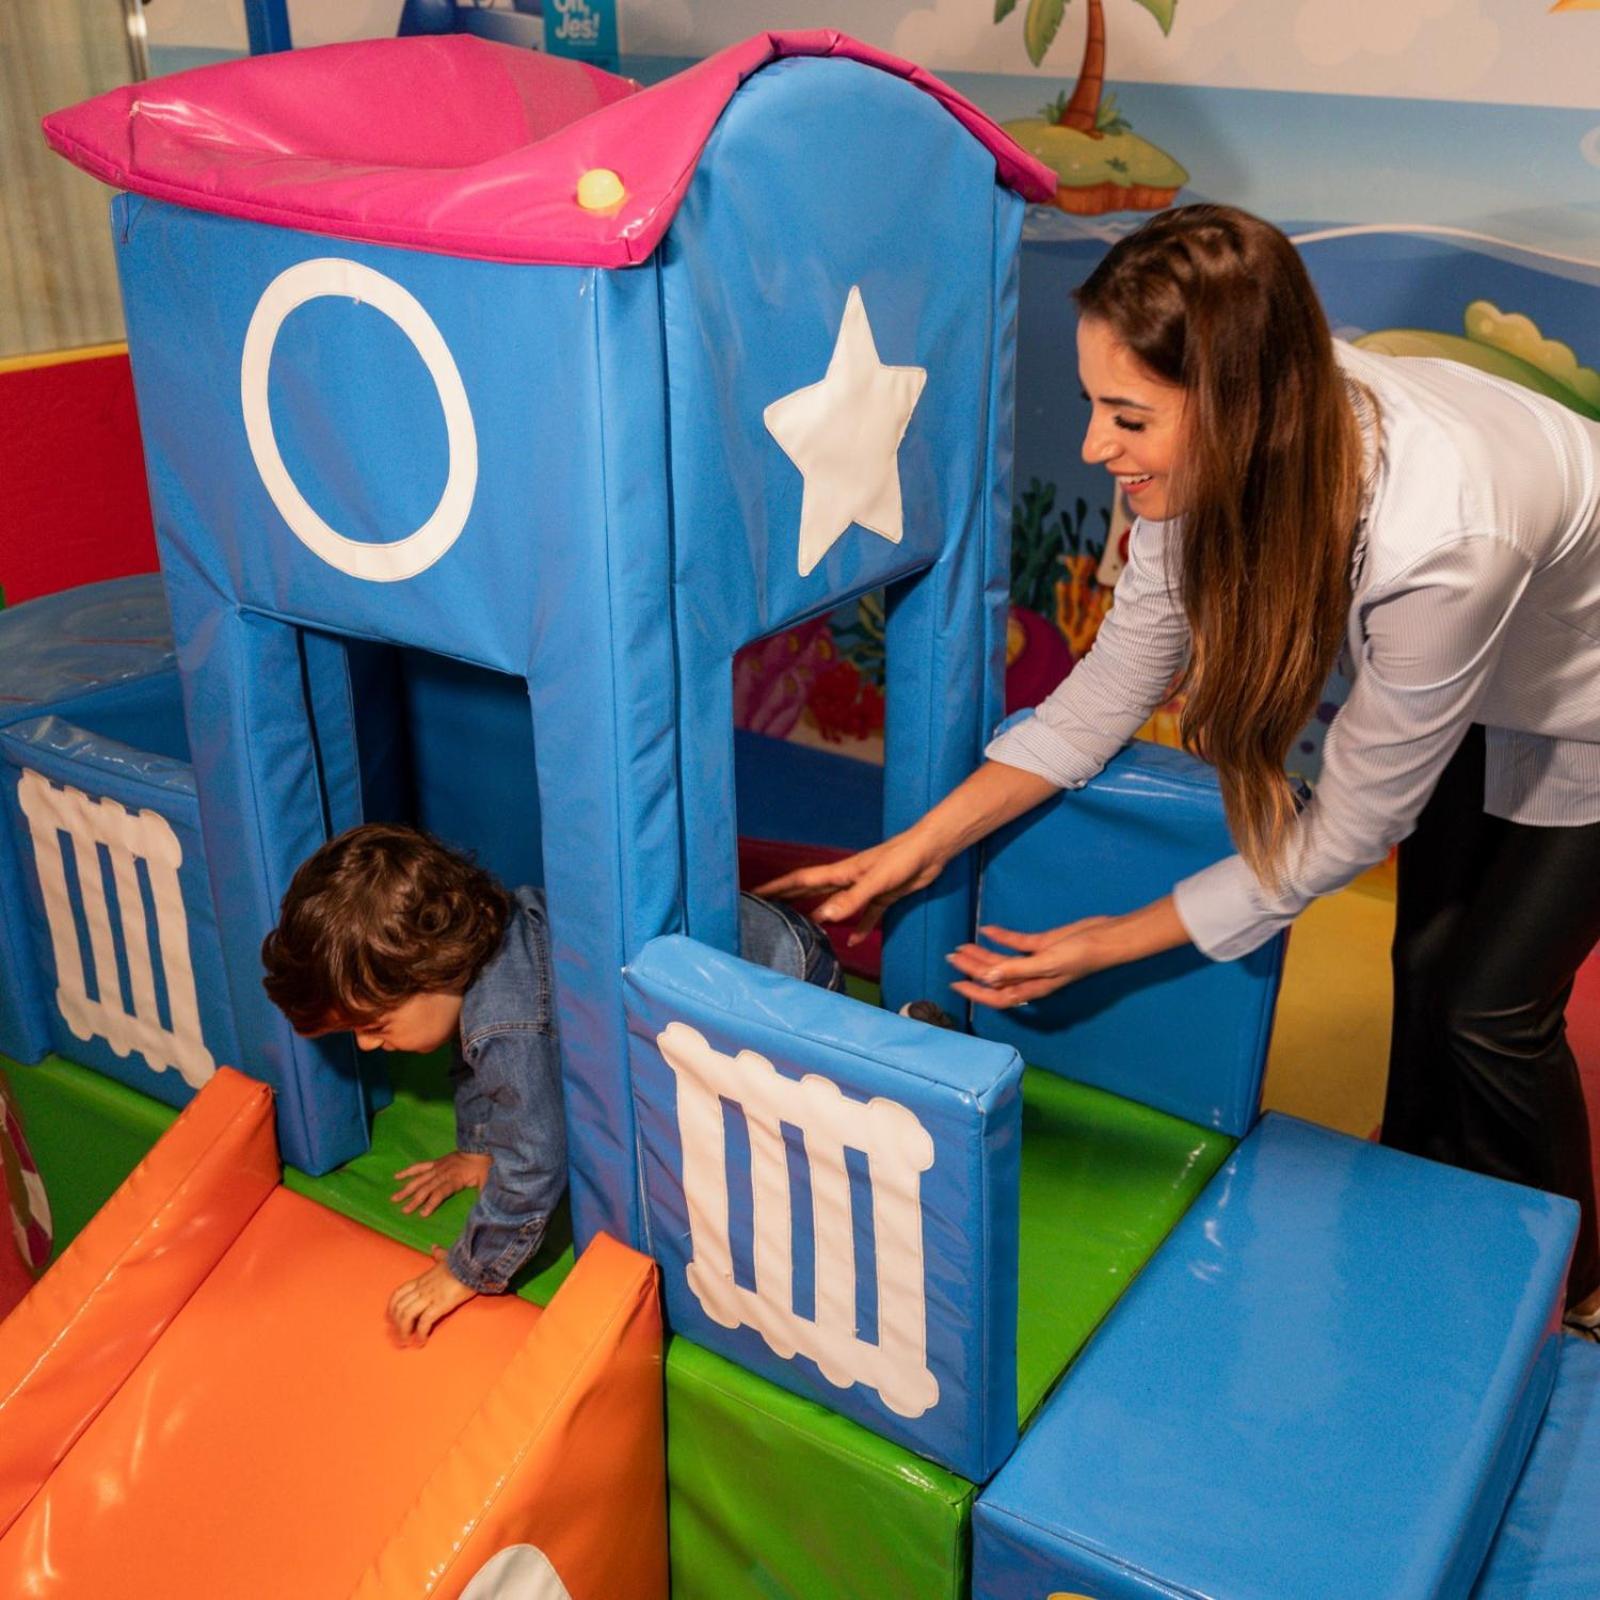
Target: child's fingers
[400, 1313]
[414, 1169]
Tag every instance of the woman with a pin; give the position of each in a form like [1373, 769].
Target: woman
[1296, 496]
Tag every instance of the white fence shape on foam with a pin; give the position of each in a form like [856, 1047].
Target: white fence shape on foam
[898, 1150]
[127, 838]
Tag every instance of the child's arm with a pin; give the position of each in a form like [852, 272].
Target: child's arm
[519, 1073]
[422, 1301]
[474, 1108]
[428, 1184]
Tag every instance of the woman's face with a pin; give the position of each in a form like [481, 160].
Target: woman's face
[1136, 421]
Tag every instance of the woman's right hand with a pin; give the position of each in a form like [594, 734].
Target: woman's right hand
[863, 886]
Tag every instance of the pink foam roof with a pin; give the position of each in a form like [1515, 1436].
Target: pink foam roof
[450, 143]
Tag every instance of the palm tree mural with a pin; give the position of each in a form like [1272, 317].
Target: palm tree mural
[1100, 163]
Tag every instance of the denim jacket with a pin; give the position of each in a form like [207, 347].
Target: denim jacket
[507, 1081]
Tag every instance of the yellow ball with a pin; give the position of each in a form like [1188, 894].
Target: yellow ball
[600, 189]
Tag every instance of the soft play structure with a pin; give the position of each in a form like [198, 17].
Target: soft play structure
[491, 405]
[197, 1399]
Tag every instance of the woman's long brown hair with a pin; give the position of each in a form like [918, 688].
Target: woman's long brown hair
[1269, 484]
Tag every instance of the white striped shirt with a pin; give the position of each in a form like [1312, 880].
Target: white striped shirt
[1476, 599]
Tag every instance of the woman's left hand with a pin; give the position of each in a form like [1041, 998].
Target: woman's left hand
[1049, 961]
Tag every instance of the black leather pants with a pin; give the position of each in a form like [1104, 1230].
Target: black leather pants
[1493, 921]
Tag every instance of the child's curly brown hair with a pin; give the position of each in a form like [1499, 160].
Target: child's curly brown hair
[377, 915]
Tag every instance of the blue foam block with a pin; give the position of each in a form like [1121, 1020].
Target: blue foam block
[799, 795]
[86, 652]
[117, 900]
[1178, 1032]
[1548, 1547]
[832, 1194]
[64, 644]
[1324, 1385]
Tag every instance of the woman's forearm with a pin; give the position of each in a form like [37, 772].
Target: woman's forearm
[989, 799]
[1137, 934]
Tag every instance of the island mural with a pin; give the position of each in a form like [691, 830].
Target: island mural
[1100, 163]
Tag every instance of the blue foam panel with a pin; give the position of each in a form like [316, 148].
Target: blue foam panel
[832, 1194]
[62, 645]
[529, 589]
[1548, 1547]
[1323, 1385]
[1178, 1032]
[921, 231]
[800, 795]
[182, 961]
[470, 734]
[100, 656]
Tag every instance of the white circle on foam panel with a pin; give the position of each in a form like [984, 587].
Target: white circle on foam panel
[335, 276]
[519, 1572]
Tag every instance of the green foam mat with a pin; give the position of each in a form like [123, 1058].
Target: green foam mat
[86, 1132]
[1104, 1180]
[772, 1497]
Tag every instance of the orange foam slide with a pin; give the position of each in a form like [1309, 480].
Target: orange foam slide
[202, 1397]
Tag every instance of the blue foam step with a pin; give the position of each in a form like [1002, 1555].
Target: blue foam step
[1324, 1385]
[1548, 1547]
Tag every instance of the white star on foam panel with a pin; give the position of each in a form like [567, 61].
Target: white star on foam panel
[844, 435]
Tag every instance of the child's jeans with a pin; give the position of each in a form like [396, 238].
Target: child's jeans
[773, 935]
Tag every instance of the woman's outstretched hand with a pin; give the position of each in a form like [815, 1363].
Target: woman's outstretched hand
[1050, 960]
[860, 888]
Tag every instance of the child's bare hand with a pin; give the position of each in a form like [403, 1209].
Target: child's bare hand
[431, 1183]
[416, 1306]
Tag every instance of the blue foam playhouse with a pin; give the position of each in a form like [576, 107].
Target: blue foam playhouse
[561, 447]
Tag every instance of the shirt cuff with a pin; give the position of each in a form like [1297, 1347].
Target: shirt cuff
[1221, 911]
[467, 1271]
[1031, 746]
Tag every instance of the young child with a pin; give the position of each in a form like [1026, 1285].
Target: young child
[387, 934]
